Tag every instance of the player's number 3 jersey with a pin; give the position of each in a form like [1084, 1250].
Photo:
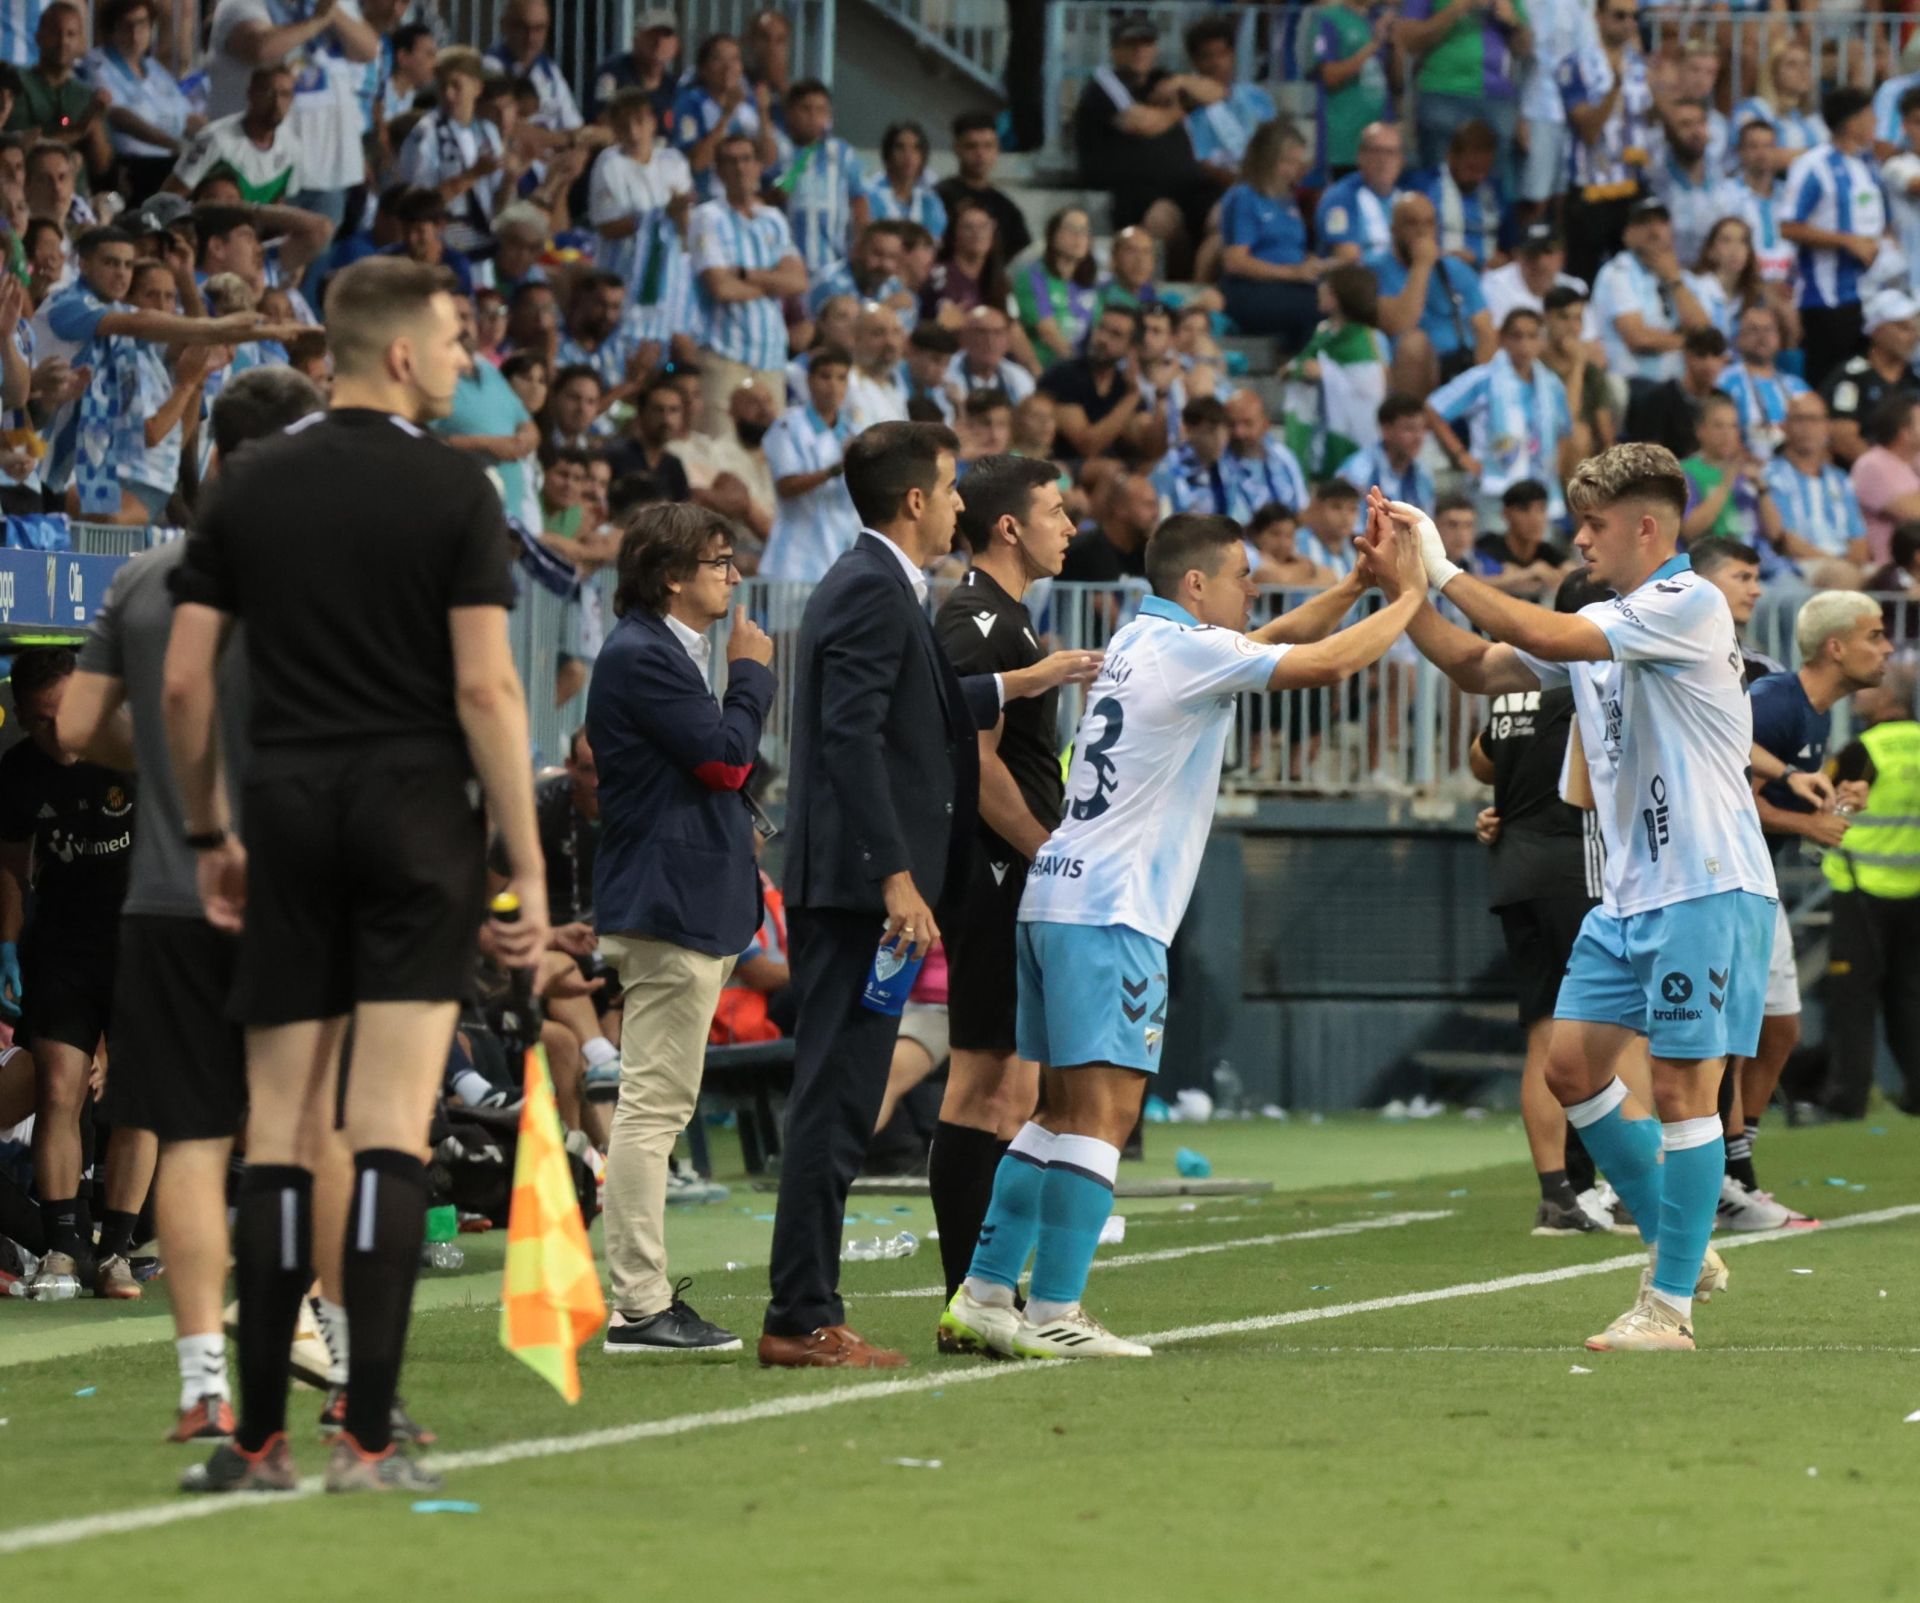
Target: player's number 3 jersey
[1668, 733]
[1146, 767]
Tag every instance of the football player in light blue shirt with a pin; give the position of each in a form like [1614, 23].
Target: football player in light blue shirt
[1679, 947]
[1107, 891]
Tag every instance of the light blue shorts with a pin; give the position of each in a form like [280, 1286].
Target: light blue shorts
[1692, 977]
[1090, 994]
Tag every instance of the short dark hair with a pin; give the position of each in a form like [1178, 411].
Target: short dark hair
[1211, 31]
[1842, 104]
[988, 398]
[886, 461]
[1909, 103]
[1714, 551]
[522, 362]
[630, 102]
[1577, 591]
[1471, 137]
[370, 301]
[420, 206]
[1203, 409]
[1335, 490]
[828, 354]
[800, 88]
[409, 34]
[218, 222]
[1526, 493]
[1270, 514]
[577, 370]
[99, 238]
[1906, 544]
[975, 122]
[1356, 292]
[928, 335]
[711, 43]
[1883, 424]
[48, 147]
[1184, 543]
[633, 490]
[663, 544]
[261, 401]
[36, 667]
[1122, 309]
[1455, 501]
[1000, 487]
[1704, 342]
[1520, 314]
[1561, 296]
[1398, 405]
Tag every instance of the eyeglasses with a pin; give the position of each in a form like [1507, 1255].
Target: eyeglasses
[724, 564]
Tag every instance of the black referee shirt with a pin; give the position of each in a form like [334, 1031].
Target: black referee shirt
[1543, 850]
[342, 544]
[984, 630]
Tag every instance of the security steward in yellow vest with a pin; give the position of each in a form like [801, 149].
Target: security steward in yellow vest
[1874, 968]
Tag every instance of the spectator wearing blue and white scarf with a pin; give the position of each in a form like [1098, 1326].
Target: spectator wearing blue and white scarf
[1761, 393]
[1814, 494]
[1466, 202]
[459, 153]
[1516, 411]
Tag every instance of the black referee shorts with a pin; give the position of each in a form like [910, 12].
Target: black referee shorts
[982, 974]
[1540, 936]
[365, 883]
[179, 1065]
[66, 994]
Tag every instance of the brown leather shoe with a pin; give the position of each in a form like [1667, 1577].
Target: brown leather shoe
[829, 1347]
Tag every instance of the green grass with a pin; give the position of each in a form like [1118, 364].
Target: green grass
[1439, 1451]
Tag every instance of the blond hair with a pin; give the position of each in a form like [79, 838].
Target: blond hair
[1828, 615]
[1636, 472]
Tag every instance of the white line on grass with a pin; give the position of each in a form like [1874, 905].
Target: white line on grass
[60, 1532]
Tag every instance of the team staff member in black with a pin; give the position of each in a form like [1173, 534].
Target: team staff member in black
[66, 830]
[369, 563]
[1018, 530]
[1546, 876]
[179, 1065]
[880, 814]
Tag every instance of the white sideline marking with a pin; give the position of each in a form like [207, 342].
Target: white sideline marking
[1128, 1260]
[29, 1537]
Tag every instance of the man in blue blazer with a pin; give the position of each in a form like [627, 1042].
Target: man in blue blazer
[881, 798]
[676, 888]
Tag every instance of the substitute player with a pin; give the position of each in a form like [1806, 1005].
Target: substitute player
[369, 563]
[179, 1066]
[1677, 949]
[1107, 891]
[1844, 647]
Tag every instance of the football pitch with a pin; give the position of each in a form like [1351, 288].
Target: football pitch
[1368, 1385]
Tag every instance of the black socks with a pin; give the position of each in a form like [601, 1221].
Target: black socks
[272, 1268]
[386, 1226]
[960, 1171]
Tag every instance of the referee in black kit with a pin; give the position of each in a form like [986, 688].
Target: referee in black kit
[370, 566]
[1017, 529]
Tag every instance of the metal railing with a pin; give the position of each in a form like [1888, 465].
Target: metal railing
[971, 34]
[1857, 47]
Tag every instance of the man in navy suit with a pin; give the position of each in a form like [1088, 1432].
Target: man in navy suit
[881, 801]
[676, 887]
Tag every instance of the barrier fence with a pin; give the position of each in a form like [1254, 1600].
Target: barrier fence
[1400, 727]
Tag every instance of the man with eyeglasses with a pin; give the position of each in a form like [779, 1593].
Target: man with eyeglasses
[676, 889]
[1610, 113]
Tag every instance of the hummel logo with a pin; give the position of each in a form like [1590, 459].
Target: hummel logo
[1133, 987]
[1135, 1011]
[999, 872]
[1717, 1001]
[984, 622]
[1718, 979]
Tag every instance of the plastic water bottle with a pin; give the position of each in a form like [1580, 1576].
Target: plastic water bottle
[441, 1255]
[1229, 1095]
[1813, 851]
[873, 1249]
[891, 977]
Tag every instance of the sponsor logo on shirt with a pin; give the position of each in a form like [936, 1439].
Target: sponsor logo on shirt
[1676, 990]
[1056, 868]
[1657, 819]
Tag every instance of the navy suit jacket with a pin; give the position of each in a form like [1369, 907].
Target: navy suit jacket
[885, 771]
[675, 860]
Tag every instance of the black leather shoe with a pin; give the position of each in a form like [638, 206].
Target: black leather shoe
[676, 1331]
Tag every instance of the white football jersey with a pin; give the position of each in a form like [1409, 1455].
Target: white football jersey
[1668, 730]
[1146, 768]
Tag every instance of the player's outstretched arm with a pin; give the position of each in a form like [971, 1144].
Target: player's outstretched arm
[1316, 617]
[1483, 667]
[1393, 560]
[1552, 636]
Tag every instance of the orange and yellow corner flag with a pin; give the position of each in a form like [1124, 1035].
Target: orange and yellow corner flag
[550, 1295]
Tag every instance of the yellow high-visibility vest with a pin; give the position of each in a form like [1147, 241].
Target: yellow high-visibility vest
[1880, 854]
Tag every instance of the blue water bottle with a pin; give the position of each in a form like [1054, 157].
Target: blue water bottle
[891, 977]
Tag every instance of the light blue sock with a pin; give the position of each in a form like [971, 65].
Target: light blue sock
[1689, 1199]
[1627, 1152]
[1074, 1204]
[1013, 1216]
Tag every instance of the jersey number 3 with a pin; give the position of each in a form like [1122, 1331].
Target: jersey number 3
[1105, 778]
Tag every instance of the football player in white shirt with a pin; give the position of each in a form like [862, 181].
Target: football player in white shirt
[1107, 891]
[1678, 948]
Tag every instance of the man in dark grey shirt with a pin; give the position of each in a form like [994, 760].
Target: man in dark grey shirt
[179, 1067]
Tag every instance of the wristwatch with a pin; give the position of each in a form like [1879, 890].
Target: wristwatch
[207, 840]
